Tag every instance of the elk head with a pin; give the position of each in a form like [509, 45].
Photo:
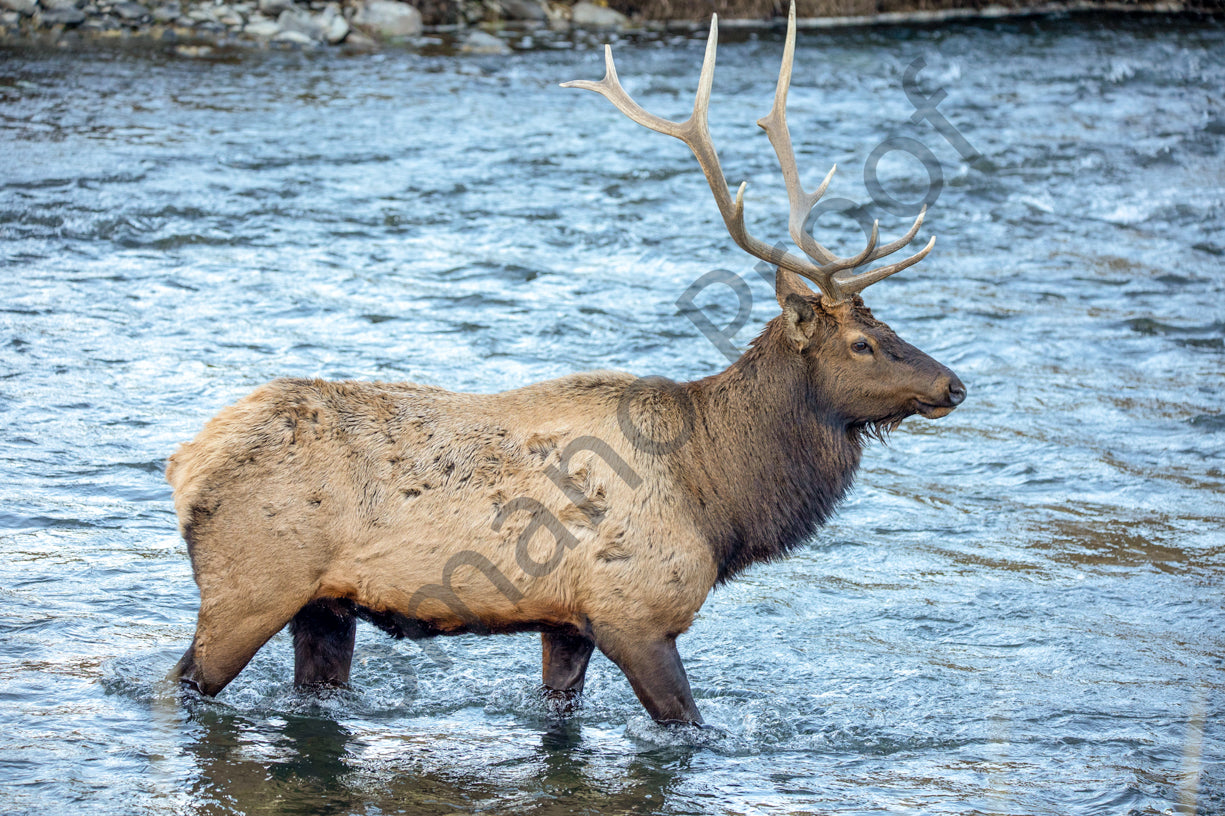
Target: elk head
[866, 375]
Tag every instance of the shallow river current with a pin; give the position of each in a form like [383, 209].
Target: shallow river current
[1019, 609]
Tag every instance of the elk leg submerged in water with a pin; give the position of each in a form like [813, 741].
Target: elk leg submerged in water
[225, 643]
[657, 676]
[324, 632]
[565, 659]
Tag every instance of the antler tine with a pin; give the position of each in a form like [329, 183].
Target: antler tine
[894, 246]
[839, 264]
[610, 88]
[853, 284]
[856, 282]
[695, 133]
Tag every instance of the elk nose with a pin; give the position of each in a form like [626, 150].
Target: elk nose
[957, 391]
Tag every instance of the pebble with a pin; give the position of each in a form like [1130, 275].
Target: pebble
[388, 19]
[481, 42]
[293, 37]
[262, 29]
[335, 27]
[359, 42]
[166, 13]
[193, 51]
[593, 16]
[131, 11]
[302, 22]
[531, 10]
[63, 16]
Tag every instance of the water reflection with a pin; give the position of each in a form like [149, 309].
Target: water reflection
[290, 764]
[284, 764]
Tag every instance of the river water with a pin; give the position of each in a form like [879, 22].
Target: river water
[1019, 610]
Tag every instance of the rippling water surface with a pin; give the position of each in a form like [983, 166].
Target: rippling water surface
[1019, 610]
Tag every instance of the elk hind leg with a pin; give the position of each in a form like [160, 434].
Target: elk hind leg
[323, 635]
[564, 659]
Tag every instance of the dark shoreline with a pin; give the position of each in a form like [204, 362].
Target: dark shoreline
[203, 27]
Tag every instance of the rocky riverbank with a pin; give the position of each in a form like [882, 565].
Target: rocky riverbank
[199, 26]
[352, 24]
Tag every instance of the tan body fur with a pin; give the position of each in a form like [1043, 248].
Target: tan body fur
[365, 491]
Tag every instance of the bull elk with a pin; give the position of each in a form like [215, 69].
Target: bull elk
[598, 509]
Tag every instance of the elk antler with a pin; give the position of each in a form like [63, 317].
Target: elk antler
[833, 275]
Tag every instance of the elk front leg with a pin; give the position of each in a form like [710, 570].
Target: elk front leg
[564, 659]
[657, 676]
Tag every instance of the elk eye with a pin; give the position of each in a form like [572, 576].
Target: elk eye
[861, 347]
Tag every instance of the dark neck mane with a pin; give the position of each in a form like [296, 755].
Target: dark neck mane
[769, 463]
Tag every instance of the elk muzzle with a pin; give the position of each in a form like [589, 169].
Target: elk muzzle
[947, 393]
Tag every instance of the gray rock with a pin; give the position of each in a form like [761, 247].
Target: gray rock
[193, 51]
[274, 7]
[262, 29]
[335, 26]
[57, 5]
[103, 24]
[131, 11]
[328, 26]
[294, 37]
[592, 16]
[302, 22]
[64, 16]
[356, 41]
[26, 8]
[338, 31]
[481, 42]
[167, 13]
[388, 18]
[529, 10]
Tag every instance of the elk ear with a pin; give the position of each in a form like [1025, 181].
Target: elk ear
[788, 283]
[799, 319]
